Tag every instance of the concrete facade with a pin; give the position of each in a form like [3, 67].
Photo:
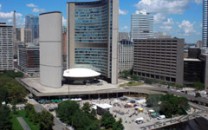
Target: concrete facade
[51, 49]
[160, 59]
[92, 36]
[126, 55]
[6, 47]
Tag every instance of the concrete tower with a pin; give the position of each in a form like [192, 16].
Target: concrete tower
[51, 49]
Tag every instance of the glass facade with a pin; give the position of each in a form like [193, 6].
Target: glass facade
[205, 23]
[32, 23]
[96, 57]
[91, 27]
[93, 35]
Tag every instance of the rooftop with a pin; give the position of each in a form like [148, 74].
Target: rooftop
[80, 73]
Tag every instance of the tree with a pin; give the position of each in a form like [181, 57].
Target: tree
[135, 77]
[46, 121]
[153, 100]
[86, 107]
[107, 120]
[3, 94]
[66, 110]
[198, 85]
[173, 105]
[118, 125]
[5, 123]
[125, 74]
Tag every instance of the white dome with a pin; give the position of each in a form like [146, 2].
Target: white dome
[80, 73]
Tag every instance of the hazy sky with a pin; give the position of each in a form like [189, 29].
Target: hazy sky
[180, 18]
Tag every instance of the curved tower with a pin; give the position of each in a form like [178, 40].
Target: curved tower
[93, 36]
[50, 49]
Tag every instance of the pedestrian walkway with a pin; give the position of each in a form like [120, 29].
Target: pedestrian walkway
[23, 123]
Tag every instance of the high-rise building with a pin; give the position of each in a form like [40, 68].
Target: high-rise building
[205, 23]
[126, 55]
[51, 49]
[141, 25]
[6, 47]
[27, 35]
[160, 59]
[123, 36]
[28, 58]
[93, 36]
[32, 23]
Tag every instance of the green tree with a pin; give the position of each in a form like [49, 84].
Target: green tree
[153, 100]
[3, 94]
[173, 105]
[135, 77]
[86, 107]
[125, 74]
[118, 125]
[46, 120]
[66, 110]
[107, 120]
[198, 85]
[5, 123]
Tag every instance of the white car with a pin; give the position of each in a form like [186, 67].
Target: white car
[161, 117]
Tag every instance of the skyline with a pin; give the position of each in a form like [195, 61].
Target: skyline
[182, 19]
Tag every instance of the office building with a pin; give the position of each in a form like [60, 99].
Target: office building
[141, 25]
[32, 23]
[93, 37]
[160, 59]
[123, 36]
[199, 44]
[28, 58]
[205, 23]
[126, 55]
[6, 47]
[51, 49]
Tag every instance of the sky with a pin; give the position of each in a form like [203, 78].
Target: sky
[178, 18]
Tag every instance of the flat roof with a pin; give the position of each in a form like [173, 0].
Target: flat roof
[104, 106]
[192, 59]
[50, 12]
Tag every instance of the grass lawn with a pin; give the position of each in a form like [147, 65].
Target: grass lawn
[17, 126]
[15, 123]
[131, 84]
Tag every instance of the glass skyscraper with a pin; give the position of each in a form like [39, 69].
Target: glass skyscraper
[141, 25]
[93, 36]
[32, 23]
[205, 22]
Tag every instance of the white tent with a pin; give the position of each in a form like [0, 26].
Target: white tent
[139, 119]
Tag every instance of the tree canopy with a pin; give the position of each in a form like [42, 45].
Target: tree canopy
[5, 123]
[84, 118]
[168, 104]
[10, 90]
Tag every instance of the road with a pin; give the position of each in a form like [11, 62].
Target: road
[161, 89]
[23, 123]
